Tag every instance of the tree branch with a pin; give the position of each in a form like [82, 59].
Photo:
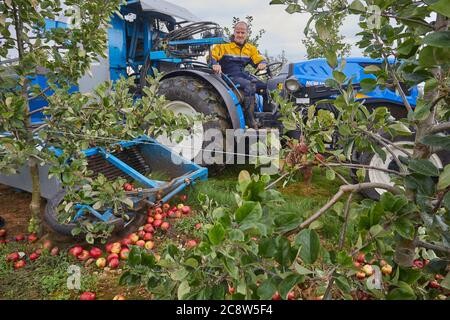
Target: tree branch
[431, 246]
[343, 190]
[357, 166]
[439, 128]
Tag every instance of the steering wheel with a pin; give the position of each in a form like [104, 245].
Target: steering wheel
[271, 68]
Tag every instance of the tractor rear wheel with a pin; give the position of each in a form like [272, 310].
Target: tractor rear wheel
[191, 96]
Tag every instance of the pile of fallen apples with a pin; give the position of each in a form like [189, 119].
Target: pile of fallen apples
[19, 258]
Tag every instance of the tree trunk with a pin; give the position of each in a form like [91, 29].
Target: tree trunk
[35, 205]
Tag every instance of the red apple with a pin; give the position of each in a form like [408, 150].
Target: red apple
[19, 237]
[95, 252]
[128, 187]
[433, 284]
[157, 223]
[291, 295]
[158, 216]
[361, 258]
[148, 236]
[2, 241]
[439, 277]
[101, 263]
[360, 275]
[357, 264]
[198, 226]
[76, 251]
[124, 253]
[191, 244]
[119, 297]
[186, 210]
[19, 264]
[165, 226]
[47, 245]
[88, 296]
[368, 270]
[149, 228]
[150, 212]
[32, 238]
[230, 290]
[108, 247]
[178, 214]
[386, 270]
[13, 257]
[34, 256]
[418, 264]
[55, 251]
[112, 256]
[158, 211]
[39, 251]
[383, 263]
[180, 206]
[114, 263]
[116, 247]
[183, 198]
[2, 233]
[165, 207]
[150, 220]
[141, 234]
[140, 243]
[276, 296]
[149, 245]
[126, 242]
[133, 237]
[83, 256]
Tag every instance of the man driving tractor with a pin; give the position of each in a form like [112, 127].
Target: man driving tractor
[232, 58]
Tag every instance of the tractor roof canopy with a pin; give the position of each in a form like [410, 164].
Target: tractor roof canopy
[167, 8]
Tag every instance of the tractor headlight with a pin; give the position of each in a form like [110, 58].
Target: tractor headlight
[292, 84]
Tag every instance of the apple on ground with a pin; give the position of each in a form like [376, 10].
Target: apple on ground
[198, 226]
[165, 226]
[47, 245]
[114, 263]
[19, 264]
[34, 256]
[166, 207]
[101, 263]
[19, 237]
[186, 210]
[150, 212]
[88, 296]
[119, 297]
[2, 233]
[141, 234]
[83, 256]
[75, 251]
[112, 256]
[291, 295]
[149, 228]
[140, 243]
[32, 238]
[276, 296]
[116, 247]
[126, 242]
[13, 257]
[150, 220]
[124, 253]
[158, 211]
[178, 214]
[148, 236]
[157, 223]
[128, 187]
[158, 216]
[108, 247]
[149, 245]
[191, 244]
[95, 252]
[183, 198]
[55, 251]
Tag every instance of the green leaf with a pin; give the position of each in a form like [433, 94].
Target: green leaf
[403, 292]
[288, 283]
[439, 39]
[331, 59]
[344, 259]
[310, 242]
[134, 257]
[292, 8]
[129, 279]
[183, 290]
[405, 228]
[248, 211]
[371, 69]
[368, 84]
[283, 254]
[446, 282]
[444, 178]
[343, 284]
[423, 167]
[302, 270]
[267, 289]
[440, 6]
[357, 7]
[400, 129]
[237, 235]
[437, 141]
[216, 234]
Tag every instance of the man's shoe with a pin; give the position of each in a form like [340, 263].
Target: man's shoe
[250, 112]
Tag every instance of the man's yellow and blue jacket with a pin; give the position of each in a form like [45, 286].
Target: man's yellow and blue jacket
[234, 58]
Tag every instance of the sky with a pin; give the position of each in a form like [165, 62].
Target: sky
[283, 31]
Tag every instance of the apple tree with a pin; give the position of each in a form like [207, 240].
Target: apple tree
[72, 121]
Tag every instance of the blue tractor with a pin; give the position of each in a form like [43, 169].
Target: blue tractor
[155, 35]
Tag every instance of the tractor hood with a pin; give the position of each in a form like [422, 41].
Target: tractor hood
[168, 8]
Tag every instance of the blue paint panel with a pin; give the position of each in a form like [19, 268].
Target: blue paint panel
[206, 41]
[117, 48]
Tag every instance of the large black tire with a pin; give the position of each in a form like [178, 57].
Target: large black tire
[51, 211]
[368, 158]
[203, 98]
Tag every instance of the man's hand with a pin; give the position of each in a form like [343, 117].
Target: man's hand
[262, 66]
[217, 68]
